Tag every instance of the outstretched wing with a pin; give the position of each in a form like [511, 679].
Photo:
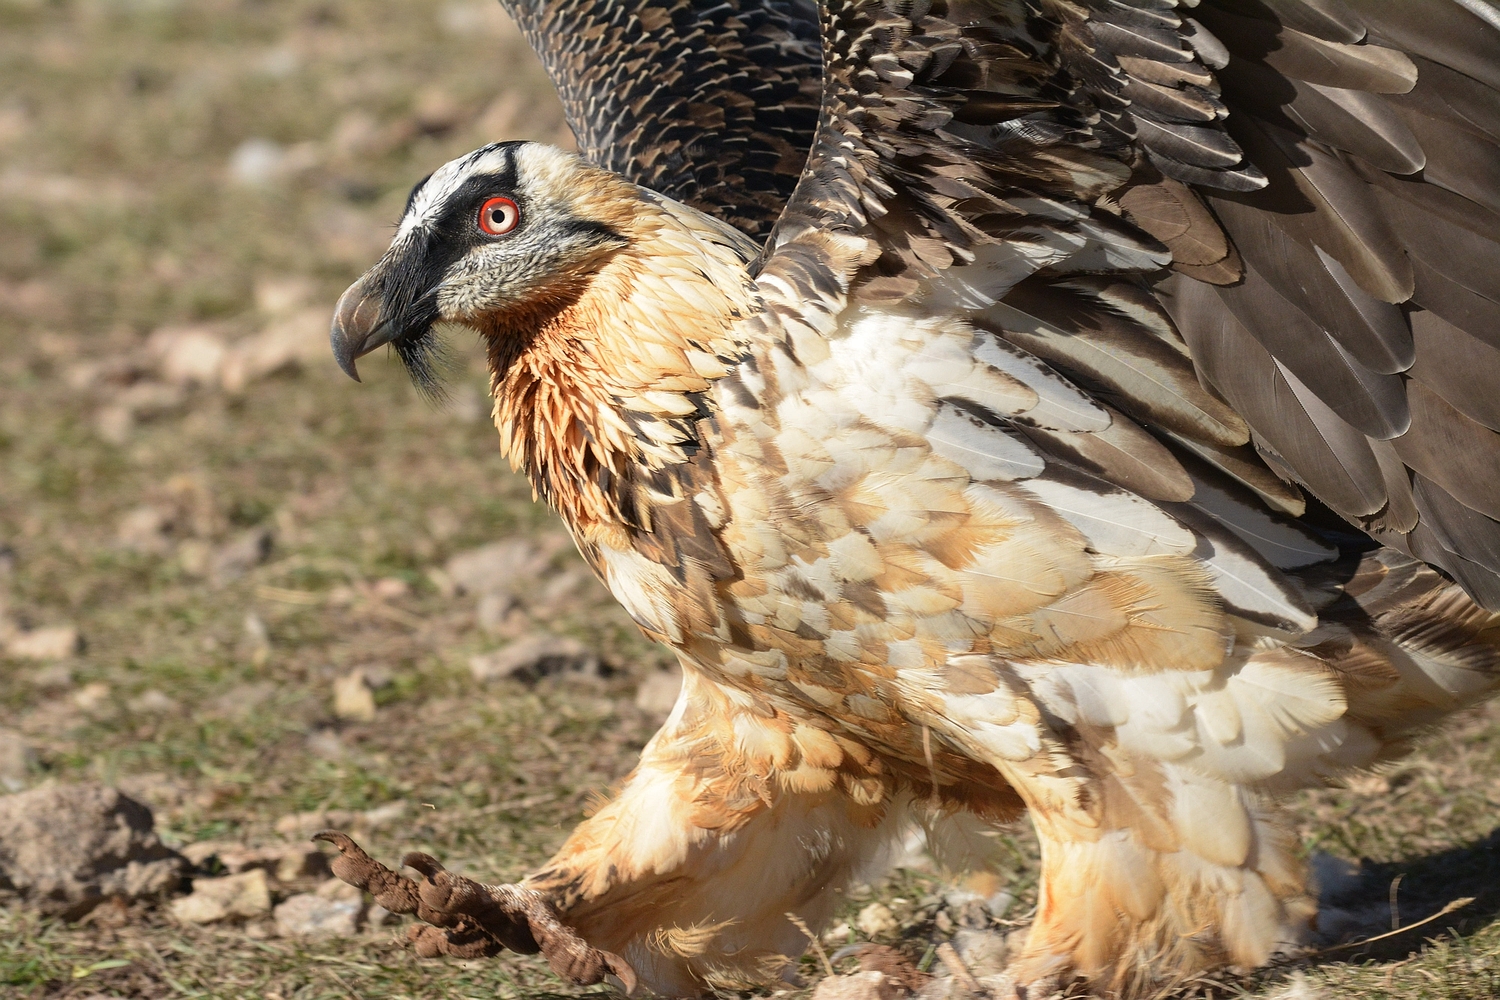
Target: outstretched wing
[1263, 229]
[710, 102]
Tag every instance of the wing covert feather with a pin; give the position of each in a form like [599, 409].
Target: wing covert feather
[1324, 176]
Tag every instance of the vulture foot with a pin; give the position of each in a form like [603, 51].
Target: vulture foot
[470, 919]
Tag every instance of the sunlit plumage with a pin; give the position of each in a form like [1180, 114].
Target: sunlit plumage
[1026, 407]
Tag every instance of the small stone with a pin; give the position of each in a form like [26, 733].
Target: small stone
[145, 531]
[535, 657]
[257, 639]
[352, 698]
[194, 556]
[281, 295]
[152, 702]
[326, 744]
[93, 698]
[946, 988]
[57, 677]
[876, 920]
[140, 401]
[67, 848]
[498, 567]
[321, 914]
[388, 588]
[234, 559]
[984, 953]
[189, 355]
[261, 162]
[288, 342]
[233, 897]
[301, 825]
[114, 423]
[56, 643]
[860, 986]
[204, 851]
[306, 824]
[256, 162]
[658, 693]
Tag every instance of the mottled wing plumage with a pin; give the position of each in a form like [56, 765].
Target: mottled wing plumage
[1367, 266]
[1324, 177]
[711, 102]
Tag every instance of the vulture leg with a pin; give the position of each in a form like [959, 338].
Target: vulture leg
[695, 877]
[1152, 865]
[1120, 908]
[469, 919]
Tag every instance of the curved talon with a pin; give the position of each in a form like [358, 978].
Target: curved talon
[429, 866]
[352, 858]
[469, 919]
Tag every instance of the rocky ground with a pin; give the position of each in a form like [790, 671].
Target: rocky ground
[243, 598]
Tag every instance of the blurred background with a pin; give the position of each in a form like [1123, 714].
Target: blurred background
[262, 599]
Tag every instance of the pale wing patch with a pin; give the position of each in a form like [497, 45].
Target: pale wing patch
[1115, 523]
[984, 451]
[1060, 405]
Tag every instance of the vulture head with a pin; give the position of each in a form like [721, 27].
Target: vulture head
[498, 240]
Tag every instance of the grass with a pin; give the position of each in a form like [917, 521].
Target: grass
[120, 215]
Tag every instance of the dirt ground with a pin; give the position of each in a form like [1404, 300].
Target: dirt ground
[237, 532]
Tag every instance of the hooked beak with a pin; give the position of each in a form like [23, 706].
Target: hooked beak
[359, 325]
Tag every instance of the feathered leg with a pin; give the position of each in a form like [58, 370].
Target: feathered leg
[1156, 861]
[732, 820]
[1143, 904]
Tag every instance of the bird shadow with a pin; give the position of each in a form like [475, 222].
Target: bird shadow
[1359, 909]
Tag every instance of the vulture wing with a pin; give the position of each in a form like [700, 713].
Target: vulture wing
[710, 102]
[1265, 230]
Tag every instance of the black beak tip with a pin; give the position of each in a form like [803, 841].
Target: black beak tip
[341, 354]
[358, 325]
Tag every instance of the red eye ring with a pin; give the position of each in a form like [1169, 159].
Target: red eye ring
[498, 216]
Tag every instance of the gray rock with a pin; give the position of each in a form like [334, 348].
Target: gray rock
[234, 559]
[535, 657]
[499, 567]
[332, 911]
[984, 952]
[233, 897]
[66, 848]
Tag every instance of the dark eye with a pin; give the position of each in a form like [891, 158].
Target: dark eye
[498, 216]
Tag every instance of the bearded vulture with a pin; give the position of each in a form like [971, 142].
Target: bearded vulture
[1079, 409]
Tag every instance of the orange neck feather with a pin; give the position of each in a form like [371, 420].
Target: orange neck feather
[634, 348]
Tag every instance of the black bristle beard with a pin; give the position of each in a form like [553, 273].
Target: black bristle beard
[430, 364]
